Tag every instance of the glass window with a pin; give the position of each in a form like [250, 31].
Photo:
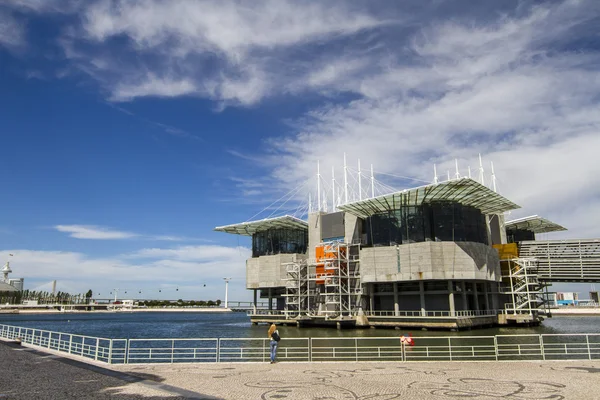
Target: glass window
[279, 241]
[438, 221]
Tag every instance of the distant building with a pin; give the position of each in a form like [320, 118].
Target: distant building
[17, 283]
[567, 298]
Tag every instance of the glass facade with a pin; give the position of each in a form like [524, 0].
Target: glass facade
[519, 235]
[439, 221]
[279, 241]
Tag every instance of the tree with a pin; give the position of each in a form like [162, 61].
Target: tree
[218, 302]
[88, 295]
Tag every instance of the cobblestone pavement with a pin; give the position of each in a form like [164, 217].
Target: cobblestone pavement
[27, 374]
[384, 380]
[33, 375]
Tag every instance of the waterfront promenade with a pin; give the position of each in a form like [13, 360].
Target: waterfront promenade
[30, 374]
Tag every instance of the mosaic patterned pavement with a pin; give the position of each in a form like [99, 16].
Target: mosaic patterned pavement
[382, 380]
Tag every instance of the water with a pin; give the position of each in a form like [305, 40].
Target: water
[237, 325]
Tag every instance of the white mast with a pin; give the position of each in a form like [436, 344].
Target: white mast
[481, 177]
[372, 183]
[448, 174]
[333, 189]
[493, 178]
[435, 177]
[469, 172]
[318, 186]
[345, 181]
[457, 173]
[359, 182]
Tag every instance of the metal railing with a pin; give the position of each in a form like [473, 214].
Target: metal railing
[448, 348]
[429, 314]
[390, 313]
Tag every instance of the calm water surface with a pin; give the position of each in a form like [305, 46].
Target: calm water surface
[228, 325]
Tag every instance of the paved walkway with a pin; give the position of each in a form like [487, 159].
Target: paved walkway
[36, 375]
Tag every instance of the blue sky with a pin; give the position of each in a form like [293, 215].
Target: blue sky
[131, 129]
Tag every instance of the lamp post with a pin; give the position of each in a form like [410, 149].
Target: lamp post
[116, 293]
[226, 289]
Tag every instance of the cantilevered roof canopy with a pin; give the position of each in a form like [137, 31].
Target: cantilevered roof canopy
[535, 224]
[251, 227]
[465, 191]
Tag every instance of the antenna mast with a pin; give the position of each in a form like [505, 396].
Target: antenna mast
[435, 176]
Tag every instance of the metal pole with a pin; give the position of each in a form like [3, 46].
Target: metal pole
[345, 181]
[333, 189]
[372, 182]
[359, 182]
[318, 186]
[226, 289]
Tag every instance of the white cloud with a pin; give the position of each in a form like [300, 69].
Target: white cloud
[228, 51]
[420, 84]
[12, 32]
[93, 232]
[103, 233]
[189, 268]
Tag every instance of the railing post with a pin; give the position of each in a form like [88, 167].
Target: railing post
[496, 346]
[587, 340]
[402, 351]
[450, 348]
[542, 347]
[219, 350]
[310, 347]
[70, 342]
[110, 347]
[126, 361]
[49, 337]
[97, 348]
[172, 349]
[356, 349]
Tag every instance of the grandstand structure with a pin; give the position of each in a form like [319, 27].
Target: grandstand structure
[439, 255]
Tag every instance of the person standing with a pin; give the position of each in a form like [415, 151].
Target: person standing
[274, 336]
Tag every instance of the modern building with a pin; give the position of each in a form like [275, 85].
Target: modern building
[434, 256]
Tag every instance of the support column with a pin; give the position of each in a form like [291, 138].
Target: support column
[254, 302]
[476, 296]
[396, 305]
[371, 296]
[270, 300]
[487, 296]
[464, 295]
[422, 296]
[451, 299]
[495, 295]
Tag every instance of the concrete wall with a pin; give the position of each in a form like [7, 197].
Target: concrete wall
[269, 271]
[314, 234]
[430, 260]
[352, 226]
